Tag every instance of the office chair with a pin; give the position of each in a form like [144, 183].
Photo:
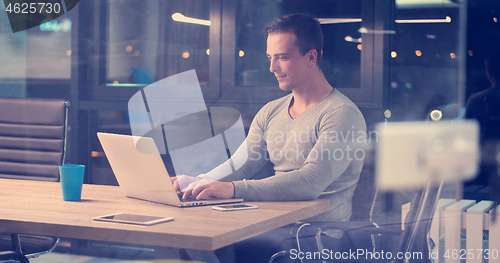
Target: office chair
[413, 239]
[33, 137]
[454, 161]
[357, 234]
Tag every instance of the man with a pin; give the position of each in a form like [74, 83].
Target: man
[309, 135]
[484, 106]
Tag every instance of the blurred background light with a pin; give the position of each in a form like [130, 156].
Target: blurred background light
[178, 17]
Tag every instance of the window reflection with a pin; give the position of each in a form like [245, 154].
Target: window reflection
[341, 58]
[150, 40]
[37, 61]
[425, 61]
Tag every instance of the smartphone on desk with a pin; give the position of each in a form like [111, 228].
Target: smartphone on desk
[234, 207]
[133, 219]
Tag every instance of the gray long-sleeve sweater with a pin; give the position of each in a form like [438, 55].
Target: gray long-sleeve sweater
[316, 155]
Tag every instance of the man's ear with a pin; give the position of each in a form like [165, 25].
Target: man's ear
[313, 56]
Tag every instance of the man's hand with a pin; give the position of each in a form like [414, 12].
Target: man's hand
[200, 188]
[210, 188]
[182, 182]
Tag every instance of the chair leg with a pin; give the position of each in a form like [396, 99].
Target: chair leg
[22, 258]
[16, 246]
[277, 255]
[37, 254]
[319, 244]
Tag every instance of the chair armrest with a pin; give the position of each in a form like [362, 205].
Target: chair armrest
[364, 226]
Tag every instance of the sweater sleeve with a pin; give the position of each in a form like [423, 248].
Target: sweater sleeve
[329, 158]
[248, 159]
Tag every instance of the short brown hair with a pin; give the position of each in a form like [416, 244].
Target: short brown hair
[305, 27]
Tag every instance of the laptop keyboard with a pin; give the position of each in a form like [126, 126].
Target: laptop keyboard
[189, 199]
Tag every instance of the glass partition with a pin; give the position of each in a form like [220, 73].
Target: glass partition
[149, 40]
[352, 63]
[340, 21]
[35, 59]
[427, 52]
[140, 42]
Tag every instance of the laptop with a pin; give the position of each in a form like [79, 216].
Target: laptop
[143, 175]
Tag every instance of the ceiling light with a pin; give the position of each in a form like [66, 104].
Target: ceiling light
[410, 4]
[364, 30]
[351, 39]
[339, 20]
[447, 19]
[185, 54]
[182, 18]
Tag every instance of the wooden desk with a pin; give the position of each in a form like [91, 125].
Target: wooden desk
[32, 207]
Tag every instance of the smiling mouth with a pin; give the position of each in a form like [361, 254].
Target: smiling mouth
[280, 77]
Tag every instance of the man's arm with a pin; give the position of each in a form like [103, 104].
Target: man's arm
[322, 167]
[248, 159]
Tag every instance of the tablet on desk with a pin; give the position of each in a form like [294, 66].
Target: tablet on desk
[124, 218]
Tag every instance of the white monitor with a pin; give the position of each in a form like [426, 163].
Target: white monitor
[410, 154]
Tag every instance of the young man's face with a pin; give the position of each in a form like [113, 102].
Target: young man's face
[290, 68]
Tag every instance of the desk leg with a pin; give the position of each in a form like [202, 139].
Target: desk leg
[193, 254]
[202, 255]
[167, 253]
